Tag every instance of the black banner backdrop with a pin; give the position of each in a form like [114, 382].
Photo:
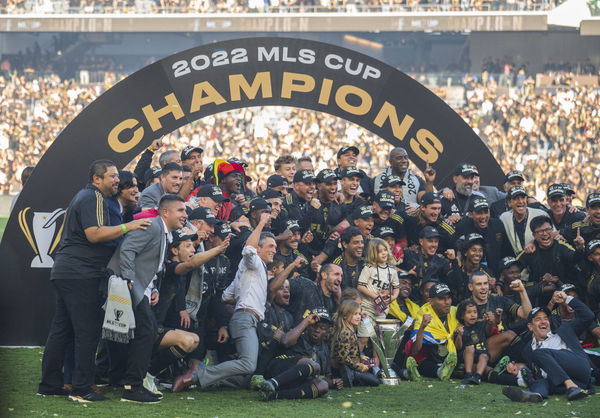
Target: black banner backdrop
[196, 83]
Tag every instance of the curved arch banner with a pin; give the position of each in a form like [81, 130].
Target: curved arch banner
[196, 83]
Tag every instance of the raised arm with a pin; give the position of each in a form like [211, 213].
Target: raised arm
[254, 237]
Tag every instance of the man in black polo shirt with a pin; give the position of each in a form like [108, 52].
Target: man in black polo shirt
[559, 211]
[298, 201]
[351, 261]
[83, 253]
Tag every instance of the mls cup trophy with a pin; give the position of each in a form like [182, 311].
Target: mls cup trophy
[44, 239]
[389, 336]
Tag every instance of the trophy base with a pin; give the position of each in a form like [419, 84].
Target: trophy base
[390, 381]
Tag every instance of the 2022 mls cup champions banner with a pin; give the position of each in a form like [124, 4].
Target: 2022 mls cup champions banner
[195, 83]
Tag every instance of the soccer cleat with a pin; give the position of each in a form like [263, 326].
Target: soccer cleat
[255, 381]
[576, 393]
[517, 395]
[267, 386]
[501, 365]
[267, 396]
[90, 397]
[150, 385]
[139, 395]
[447, 367]
[413, 370]
[468, 379]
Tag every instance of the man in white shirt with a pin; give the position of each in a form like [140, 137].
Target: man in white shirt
[249, 292]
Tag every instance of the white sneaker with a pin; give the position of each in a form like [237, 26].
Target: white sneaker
[150, 384]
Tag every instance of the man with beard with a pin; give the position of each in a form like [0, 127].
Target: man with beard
[559, 212]
[348, 157]
[297, 202]
[580, 233]
[429, 214]
[517, 221]
[492, 230]
[414, 186]
[82, 254]
[287, 249]
[307, 295]
[551, 264]
[427, 264]
[453, 210]
[351, 261]
[513, 178]
[170, 182]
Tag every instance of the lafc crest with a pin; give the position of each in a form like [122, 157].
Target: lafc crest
[45, 237]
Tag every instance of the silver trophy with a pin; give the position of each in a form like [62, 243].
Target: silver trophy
[389, 336]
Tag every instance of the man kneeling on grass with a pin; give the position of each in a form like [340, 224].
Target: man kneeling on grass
[432, 347]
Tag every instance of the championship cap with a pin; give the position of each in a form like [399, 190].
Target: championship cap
[567, 287]
[430, 198]
[151, 174]
[466, 169]
[472, 239]
[592, 199]
[258, 204]
[214, 192]
[384, 231]
[516, 192]
[222, 229]
[185, 154]
[270, 194]
[276, 180]
[537, 310]
[304, 176]
[439, 290]
[344, 150]
[326, 175]
[203, 214]
[568, 188]
[555, 190]
[429, 232]
[179, 235]
[292, 225]
[385, 199]
[591, 246]
[321, 312]
[362, 212]
[507, 262]
[351, 172]
[511, 175]
[479, 203]
[392, 180]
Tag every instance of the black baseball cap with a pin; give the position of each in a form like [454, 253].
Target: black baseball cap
[392, 181]
[479, 203]
[214, 192]
[472, 239]
[151, 174]
[384, 231]
[591, 246]
[430, 198]
[555, 190]
[466, 169]
[439, 290]
[511, 175]
[277, 180]
[270, 194]
[567, 188]
[344, 150]
[568, 286]
[507, 262]
[203, 214]
[385, 199]
[185, 154]
[321, 312]
[429, 232]
[362, 212]
[537, 310]
[351, 172]
[179, 235]
[326, 175]
[292, 225]
[258, 204]
[516, 192]
[592, 199]
[304, 176]
[222, 229]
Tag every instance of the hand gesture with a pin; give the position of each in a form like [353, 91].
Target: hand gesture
[185, 320]
[448, 194]
[429, 173]
[450, 254]
[156, 144]
[202, 235]
[579, 241]
[314, 264]
[225, 244]
[426, 320]
[517, 286]
[265, 218]
[222, 335]
[335, 235]
[460, 330]
[138, 224]
[307, 237]
[312, 319]
[240, 197]
[490, 318]
[315, 203]
[561, 297]
[299, 262]
[529, 248]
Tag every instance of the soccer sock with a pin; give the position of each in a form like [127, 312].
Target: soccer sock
[306, 391]
[163, 359]
[299, 371]
[502, 379]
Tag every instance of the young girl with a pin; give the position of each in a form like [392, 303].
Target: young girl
[344, 347]
[378, 283]
[471, 337]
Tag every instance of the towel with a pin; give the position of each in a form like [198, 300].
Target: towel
[119, 321]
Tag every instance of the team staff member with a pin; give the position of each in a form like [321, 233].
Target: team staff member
[82, 255]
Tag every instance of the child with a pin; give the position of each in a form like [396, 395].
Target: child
[471, 338]
[344, 347]
[378, 283]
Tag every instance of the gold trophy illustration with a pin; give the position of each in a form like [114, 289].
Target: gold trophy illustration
[44, 241]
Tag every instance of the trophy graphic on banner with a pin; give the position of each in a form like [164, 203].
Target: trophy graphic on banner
[389, 336]
[44, 240]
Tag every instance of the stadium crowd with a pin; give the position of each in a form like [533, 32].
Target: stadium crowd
[257, 6]
[187, 271]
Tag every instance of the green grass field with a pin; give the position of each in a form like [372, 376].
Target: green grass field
[21, 370]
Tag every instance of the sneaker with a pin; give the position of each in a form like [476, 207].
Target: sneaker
[517, 395]
[266, 396]
[150, 385]
[527, 376]
[255, 381]
[576, 393]
[501, 365]
[413, 370]
[138, 394]
[90, 397]
[476, 379]
[267, 386]
[468, 379]
[448, 367]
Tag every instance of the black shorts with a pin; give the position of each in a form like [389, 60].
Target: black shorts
[281, 364]
[162, 331]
